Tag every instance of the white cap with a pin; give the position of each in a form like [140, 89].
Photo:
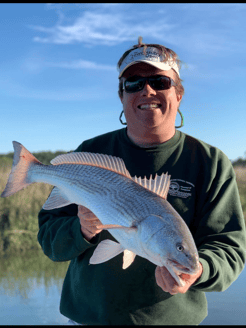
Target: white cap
[152, 56]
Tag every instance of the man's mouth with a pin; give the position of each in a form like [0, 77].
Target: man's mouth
[149, 106]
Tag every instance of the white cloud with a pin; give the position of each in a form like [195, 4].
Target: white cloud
[99, 28]
[82, 64]
[204, 28]
[208, 33]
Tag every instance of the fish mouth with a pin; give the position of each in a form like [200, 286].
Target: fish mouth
[180, 267]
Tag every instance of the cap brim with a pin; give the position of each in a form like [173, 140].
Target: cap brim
[160, 65]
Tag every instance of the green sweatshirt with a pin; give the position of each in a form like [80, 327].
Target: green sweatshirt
[203, 190]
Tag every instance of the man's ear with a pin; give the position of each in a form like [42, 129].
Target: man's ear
[179, 98]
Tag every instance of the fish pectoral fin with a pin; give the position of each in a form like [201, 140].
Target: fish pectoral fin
[128, 258]
[115, 226]
[106, 250]
[56, 199]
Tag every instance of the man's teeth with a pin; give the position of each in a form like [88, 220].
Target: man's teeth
[148, 106]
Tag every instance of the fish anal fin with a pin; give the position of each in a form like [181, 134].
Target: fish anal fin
[159, 185]
[128, 258]
[56, 199]
[106, 250]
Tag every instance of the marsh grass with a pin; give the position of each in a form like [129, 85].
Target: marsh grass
[240, 173]
[18, 213]
[241, 182]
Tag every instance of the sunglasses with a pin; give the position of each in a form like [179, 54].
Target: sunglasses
[157, 82]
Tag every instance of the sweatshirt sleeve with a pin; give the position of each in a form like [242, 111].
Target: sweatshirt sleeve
[60, 233]
[220, 233]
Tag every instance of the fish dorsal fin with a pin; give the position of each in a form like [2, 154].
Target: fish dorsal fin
[107, 162]
[159, 185]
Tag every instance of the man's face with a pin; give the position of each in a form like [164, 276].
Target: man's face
[150, 118]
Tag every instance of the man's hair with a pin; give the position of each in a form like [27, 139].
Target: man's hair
[168, 53]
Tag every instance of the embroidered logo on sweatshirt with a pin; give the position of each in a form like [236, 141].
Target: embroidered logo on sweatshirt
[180, 188]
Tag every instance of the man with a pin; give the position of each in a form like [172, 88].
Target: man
[203, 190]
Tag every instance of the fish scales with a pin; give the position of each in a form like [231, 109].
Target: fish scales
[108, 187]
[134, 210]
[105, 184]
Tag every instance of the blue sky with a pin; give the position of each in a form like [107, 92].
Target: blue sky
[58, 80]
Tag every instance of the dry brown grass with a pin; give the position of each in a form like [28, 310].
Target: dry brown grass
[240, 173]
[241, 182]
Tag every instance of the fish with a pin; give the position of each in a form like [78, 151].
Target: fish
[134, 210]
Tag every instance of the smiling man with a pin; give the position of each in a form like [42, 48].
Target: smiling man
[150, 113]
[203, 191]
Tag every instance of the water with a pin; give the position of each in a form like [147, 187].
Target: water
[228, 307]
[30, 289]
[38, 308]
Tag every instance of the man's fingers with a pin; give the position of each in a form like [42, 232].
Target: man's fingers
[89, 219]
[87, 215]
[165, 280]
[88, 222]
[86, 212]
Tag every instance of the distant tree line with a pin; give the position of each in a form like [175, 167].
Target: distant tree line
[46, 156]
[240, 161]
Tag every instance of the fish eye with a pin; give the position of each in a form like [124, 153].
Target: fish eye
[179, 247]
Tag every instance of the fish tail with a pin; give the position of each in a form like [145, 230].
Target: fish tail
[22, 162]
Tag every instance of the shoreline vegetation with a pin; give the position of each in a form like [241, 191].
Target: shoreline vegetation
[19, 212]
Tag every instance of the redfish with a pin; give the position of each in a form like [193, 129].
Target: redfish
[135, 210]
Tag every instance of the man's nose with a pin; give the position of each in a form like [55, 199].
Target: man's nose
[147, 90]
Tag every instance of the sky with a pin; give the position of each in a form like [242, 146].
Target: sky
[59, 81]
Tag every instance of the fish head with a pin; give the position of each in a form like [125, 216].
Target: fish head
[183, 258]
[168, 242]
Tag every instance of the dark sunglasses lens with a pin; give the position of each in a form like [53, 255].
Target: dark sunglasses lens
[136, 84]
[160, 83]
[133, 85]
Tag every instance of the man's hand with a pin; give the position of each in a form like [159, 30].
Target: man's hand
[88, 222]
[168, 284]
